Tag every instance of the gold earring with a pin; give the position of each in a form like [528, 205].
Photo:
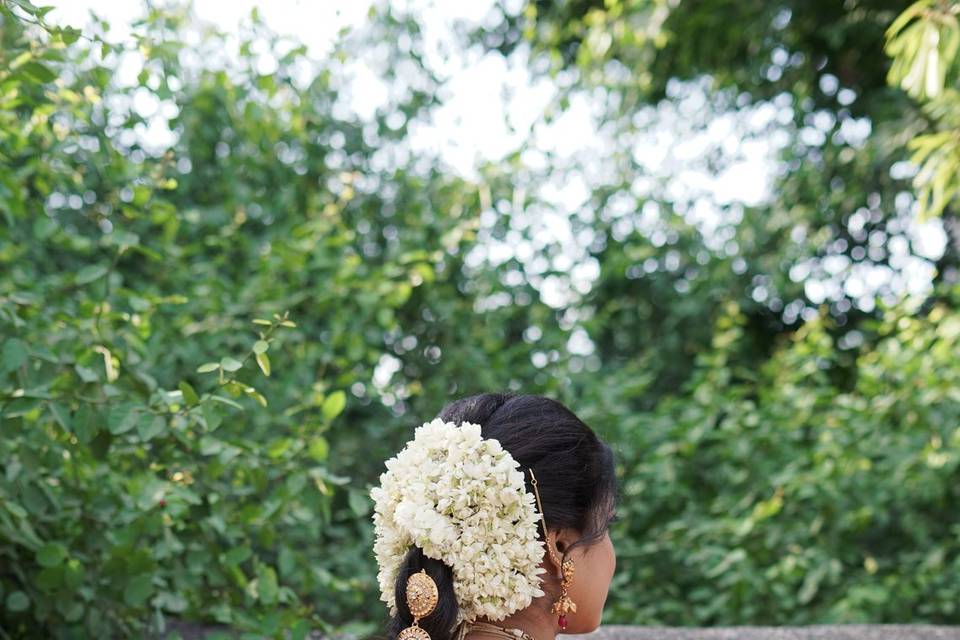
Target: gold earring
[564, 604]
[422, 598]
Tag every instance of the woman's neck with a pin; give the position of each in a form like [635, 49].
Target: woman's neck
[538, 627]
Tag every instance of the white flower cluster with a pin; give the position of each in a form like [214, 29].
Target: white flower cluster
[460, 498]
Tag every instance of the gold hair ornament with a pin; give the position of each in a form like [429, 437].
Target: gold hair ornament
[422, 598]
[564, 604]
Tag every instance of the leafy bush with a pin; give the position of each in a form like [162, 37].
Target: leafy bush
[197, 340]
[776, 495]
[166, 416]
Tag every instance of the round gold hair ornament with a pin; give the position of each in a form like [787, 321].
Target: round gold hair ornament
[422, 598]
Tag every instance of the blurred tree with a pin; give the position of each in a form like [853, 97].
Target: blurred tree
[840, 211]
[225, 299]
[195, 326]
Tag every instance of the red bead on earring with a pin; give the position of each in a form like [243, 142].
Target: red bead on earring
[563, 621]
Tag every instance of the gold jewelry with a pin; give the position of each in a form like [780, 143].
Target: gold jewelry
[564, 604]
[546, 540]
[511, 633]
[422, 598]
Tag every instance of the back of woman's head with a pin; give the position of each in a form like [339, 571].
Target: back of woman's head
[575, 478]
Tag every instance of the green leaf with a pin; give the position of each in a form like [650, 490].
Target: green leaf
[100, 444]
[260, 346]
[189, 395]
[140, 304]
[61, 414]
[86, 422]
[20, 60]
[256, 395]
[49, 579]
[208, 367]
[172, 602]
[359, 503]
[121, 418]
[90, 273]
[264, 362]
[15, 353]
[811, 585]
[17, 601]
[150, 426]
[123, 239]
[138, 589]
[141, 194]
[72, 611]
[234, 388]
[210, 446]
[211, 416]
[73, 574]
[278, 447]
[27, 6]
[15, 509]
[229, 364]
[267, 585]
[86, 373]
[319, 449]
[51, 554]
[69, 35]
[286, 562]
[237, 555]
[227, 401]
[334, 404]
[44, 227]
[300, 630]
[39, 72]
[20, 407]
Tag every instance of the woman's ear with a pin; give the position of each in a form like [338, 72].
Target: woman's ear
[560, 541]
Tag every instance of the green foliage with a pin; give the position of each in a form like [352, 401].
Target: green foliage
[838, 201]
[776, 470]
[194, 335]
[777, 496]
[179, 327]
[924, 42]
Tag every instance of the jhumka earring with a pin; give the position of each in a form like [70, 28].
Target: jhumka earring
[422, 597]
[564, 604]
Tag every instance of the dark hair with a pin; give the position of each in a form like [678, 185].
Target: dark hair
[575, 477]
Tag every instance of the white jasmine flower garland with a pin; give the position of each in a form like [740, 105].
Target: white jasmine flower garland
[460, 498]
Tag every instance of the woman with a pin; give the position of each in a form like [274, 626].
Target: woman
[493, 522]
